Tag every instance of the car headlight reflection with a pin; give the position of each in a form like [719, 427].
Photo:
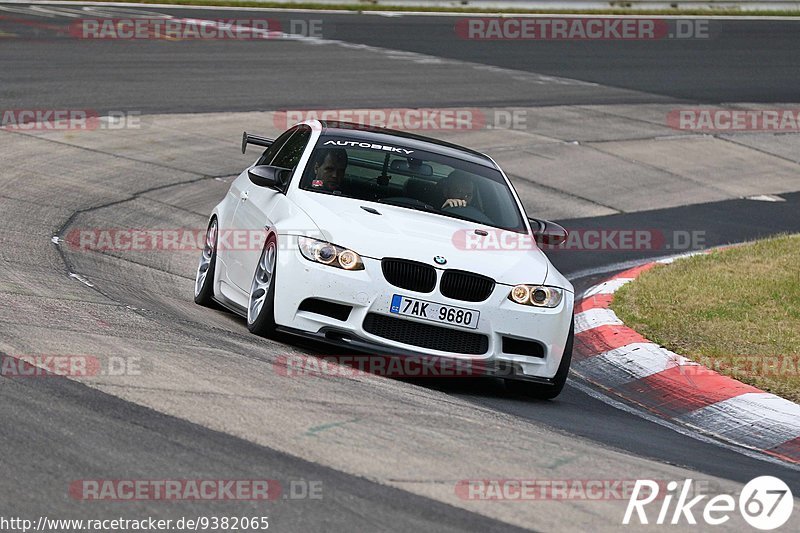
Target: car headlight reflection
[329, 254]
[536, 295]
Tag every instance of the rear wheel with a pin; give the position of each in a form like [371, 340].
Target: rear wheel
[261, 303]
[541, 391]
[204, 279]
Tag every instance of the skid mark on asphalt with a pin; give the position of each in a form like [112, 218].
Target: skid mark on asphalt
[314, 431]
[561, 462]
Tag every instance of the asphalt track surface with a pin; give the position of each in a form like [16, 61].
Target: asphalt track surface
[730, 65]
[65, 427]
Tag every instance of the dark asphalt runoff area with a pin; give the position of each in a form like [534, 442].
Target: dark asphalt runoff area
[58, 425]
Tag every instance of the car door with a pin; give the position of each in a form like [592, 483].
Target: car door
[257, 203]
[229, 253]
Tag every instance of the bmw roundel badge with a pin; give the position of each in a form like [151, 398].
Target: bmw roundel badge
[440, 260]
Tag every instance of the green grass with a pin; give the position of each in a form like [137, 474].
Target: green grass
[736, 311]
[370, 6]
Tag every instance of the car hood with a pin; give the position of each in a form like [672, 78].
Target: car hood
[419, 236]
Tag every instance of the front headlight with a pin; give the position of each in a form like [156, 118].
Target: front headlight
[536, 295]
[329, 254]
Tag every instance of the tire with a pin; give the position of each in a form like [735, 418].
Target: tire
[546, 392]
[261, 301]
[204, 279]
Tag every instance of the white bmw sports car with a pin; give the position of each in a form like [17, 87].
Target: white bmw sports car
[395, 244]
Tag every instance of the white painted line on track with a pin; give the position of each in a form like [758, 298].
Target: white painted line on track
[81, 279]
[766, 198]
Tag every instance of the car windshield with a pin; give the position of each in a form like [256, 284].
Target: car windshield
[413, 179]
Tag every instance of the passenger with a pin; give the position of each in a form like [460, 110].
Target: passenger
[329, 168]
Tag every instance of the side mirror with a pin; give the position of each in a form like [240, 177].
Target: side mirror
[267, 176]
[548, 233]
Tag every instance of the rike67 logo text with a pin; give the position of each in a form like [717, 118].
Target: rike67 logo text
[765, 503]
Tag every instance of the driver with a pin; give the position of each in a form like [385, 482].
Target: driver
[329, 168]
[458, 189]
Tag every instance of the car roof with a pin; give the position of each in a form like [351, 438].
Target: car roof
[363, 132]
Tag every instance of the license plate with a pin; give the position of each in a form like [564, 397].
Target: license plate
[446, 314]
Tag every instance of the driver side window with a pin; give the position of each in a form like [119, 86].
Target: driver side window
[269, 154]
[291, 152]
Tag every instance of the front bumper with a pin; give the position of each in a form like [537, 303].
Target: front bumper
[366, 291]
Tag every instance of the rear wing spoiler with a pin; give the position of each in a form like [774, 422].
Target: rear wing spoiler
[255, 139]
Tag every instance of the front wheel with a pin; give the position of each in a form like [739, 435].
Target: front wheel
[261, 303]
[204, 279]
[541, 391]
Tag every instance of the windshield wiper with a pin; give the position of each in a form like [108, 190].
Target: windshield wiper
[411, 203]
